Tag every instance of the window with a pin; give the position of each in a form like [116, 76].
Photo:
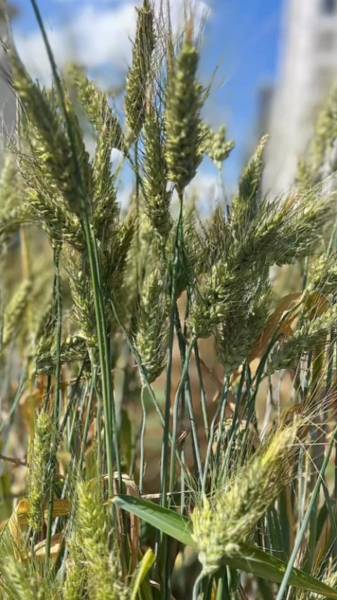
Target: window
[329, 7]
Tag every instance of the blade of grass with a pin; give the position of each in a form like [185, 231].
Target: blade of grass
[142, 571]
[250, 559]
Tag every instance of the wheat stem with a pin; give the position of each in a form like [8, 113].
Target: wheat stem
[57, 403]
[108, 401]
[142, 442]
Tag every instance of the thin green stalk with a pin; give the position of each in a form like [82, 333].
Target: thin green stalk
[188, 395]
[71, 402]
[203, 395]
[176, 414]
[302, 483]
[76, 465]
[87, 420]
[57, 403]
[179, 407]
[103, 347]
[167, 405]
[238, 401]
[222, 587]
[142, 443]
[332, 516]
[164, 466]
[74, 425]
[194, 430]
[164, 463]
[220, 434]
[143, 375]
[301, 532]
[98, 435]
[58, 395]
[222, 403]
[14, 403]
[94, 264]
[139, 365]
[138, 182]
[182, 484]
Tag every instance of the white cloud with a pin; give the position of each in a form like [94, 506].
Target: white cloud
[96, 35]
[206, 188]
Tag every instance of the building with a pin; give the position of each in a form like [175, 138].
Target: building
[308, 67]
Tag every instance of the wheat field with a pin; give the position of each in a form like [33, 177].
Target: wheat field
[168, 409]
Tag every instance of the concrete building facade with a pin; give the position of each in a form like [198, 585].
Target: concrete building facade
[308, 66]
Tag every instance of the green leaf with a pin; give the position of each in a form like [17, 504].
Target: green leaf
[142, 571]
[165, 520]
[251, 559]
[259, 563]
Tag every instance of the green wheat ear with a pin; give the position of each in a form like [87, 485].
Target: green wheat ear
[152, 326]
[76, 575]
[96, 105]
[184, 100]
[109, 135]
[156, 195]
[16, 581]
[15, 311]
[226, 520]
[38, 460]
[138, 75]
[90, 548]
[7, 178]
[247, 204]
[50, 186]
[214, 144]
[47, 138]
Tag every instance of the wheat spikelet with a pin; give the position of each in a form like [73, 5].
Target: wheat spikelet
[109, 136]
[76, 580]
[182, 118]
[246, 205]
[138, 74]
[151, 336]
[15, 310]
[214, 144]
[81, 293]
[229, 517]
[92, 535]
[16, 581]
[156, 196]
[44, 131]
[39, 456]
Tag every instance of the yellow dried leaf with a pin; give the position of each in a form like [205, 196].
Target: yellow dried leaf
[278, 322]
[61, 508]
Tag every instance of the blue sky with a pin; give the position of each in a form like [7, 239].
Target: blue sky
[242, 39]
